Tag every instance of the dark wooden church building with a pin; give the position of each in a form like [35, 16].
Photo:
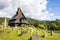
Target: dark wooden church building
[18, 19]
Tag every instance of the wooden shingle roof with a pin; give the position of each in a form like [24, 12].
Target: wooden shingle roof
[19, 18]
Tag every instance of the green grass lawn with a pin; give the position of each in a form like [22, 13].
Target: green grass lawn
[16, 34]
[53, 37]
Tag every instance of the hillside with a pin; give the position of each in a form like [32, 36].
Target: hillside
[39, 30]
[50, 25]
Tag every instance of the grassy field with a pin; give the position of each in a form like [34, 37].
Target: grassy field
[16, 34]
[26, 33]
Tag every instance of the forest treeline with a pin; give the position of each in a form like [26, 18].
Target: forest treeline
[50, 25]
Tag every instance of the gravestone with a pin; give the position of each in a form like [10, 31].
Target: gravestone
[9, 32]
[3, 26]
[35, 37]
[1, 31]
[23, 32]
[14, 28]
[52, 32]
[44, 35]
[31, 30]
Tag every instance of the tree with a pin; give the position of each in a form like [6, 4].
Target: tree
[53, 26]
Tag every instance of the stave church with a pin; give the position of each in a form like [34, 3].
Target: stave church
[18, 19]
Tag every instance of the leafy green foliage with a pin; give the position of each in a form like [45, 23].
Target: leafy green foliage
[50, 25]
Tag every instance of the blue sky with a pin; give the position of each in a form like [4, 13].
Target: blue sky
[36, 9]
[53, 6]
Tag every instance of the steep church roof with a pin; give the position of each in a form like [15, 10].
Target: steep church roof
[19, 18]
[19, 14]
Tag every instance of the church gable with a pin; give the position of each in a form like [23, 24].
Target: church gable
[19, 18]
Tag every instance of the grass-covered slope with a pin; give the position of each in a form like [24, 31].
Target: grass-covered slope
[16, 34]
[26, 32]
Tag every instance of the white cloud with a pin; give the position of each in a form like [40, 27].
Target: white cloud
[30, 8]
[1, 14]
[46, 16]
